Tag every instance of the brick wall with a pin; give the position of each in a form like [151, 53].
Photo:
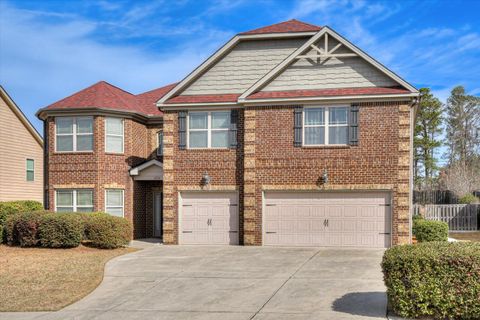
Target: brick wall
[266, 157]
[98, 170]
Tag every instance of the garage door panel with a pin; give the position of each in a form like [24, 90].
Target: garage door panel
[328, 219]
[209, 218]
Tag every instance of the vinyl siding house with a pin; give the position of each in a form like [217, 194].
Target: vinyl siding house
[288, 135]
[21, 154]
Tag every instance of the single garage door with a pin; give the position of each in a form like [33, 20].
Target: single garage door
[360, 219]
[209, 218]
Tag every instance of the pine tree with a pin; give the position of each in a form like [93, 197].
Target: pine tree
[426, 133]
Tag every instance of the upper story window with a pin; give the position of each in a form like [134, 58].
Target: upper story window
[74, 134]
[70, 200]
[114, 135]
[30, 170]
[208, 129]
[325, 126]
[160, 143]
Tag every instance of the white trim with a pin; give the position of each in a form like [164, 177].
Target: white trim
[209, 129]
[195, 73]
[123, 201]
[74, 134]
[326, 125]
[136, 170]
[115, 135]
[74, 205]
[327, 31]
[261, 36]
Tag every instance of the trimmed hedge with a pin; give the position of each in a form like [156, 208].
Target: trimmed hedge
[22, 228]
[60, 230]
[430, 230]
[108, 232]
[434, 279]
[8, 208]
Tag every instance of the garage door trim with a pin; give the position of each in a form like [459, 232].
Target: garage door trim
[346, 191]
[180, 207]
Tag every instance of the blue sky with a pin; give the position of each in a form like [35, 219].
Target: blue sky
[50, 49]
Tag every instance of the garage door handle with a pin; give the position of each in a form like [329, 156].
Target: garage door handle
[268, 232]
[384, 233]
[187, 231]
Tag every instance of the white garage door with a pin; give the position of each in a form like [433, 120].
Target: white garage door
[209, 218]
[327, 219]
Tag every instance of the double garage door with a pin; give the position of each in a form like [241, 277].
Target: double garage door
[360, 219]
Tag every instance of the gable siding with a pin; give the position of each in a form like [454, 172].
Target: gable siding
[16, 145]
[348, 72]
[247, 62]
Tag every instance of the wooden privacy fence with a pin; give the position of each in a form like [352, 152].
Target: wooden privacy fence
[460, 217]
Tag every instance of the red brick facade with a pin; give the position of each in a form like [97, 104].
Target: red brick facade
[99, 170]
[266, 159]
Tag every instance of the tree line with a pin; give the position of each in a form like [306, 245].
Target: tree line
[449, 132]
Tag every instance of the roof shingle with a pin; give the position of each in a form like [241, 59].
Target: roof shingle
[285, 27]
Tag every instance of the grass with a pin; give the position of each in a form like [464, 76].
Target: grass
[471, 236]
[36, 279]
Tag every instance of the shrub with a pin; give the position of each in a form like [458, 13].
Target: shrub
[1, 234]
[60, 230]
[9, 208]
[108, 232]
[22, 228]
[430, 230]
[469, 198]
[435, 279]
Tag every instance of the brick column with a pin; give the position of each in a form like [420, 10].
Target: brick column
[402, 195]
[250, 214]
[169, 221]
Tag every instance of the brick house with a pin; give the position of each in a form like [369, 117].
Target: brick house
[287, 135]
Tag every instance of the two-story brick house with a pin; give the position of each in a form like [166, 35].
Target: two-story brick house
[287, 135]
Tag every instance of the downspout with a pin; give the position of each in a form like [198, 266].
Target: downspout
[46, 198]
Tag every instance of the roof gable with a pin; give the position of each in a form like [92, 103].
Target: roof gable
[285, 27]
[340, 49]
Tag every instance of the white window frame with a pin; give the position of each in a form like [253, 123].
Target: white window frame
[26, 169]
[74, 134]
[326, 124]
[115, 135]
[74, 199]
[123, 200]
[208, 129]
[159, 143]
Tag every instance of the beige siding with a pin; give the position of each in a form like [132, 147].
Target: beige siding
[16, 145]
[348, 72]
[243, 65]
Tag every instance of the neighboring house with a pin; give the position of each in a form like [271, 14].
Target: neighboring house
[287, 135]
[21, 154]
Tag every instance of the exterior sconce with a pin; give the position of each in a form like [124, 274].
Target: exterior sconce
[206, 179]
[325, 176]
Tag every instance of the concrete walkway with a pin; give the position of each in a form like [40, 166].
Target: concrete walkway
[230, 283]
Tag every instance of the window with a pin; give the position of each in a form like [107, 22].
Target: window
[68, 200]
[208, 129]
[325, 126]
[160, 143]
[74, 134]
[30, 170]
[114, 135]
[114, 202]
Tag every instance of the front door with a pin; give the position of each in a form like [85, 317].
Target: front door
[157, 214]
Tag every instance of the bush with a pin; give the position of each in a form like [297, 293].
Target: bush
[22, 228]
[60, 230]
[1, 234]
[430, 230]
[12, 207]
[107, 232]
[469, 198]
[435, 279]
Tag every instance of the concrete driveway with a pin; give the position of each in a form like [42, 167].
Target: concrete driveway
[230, 283]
